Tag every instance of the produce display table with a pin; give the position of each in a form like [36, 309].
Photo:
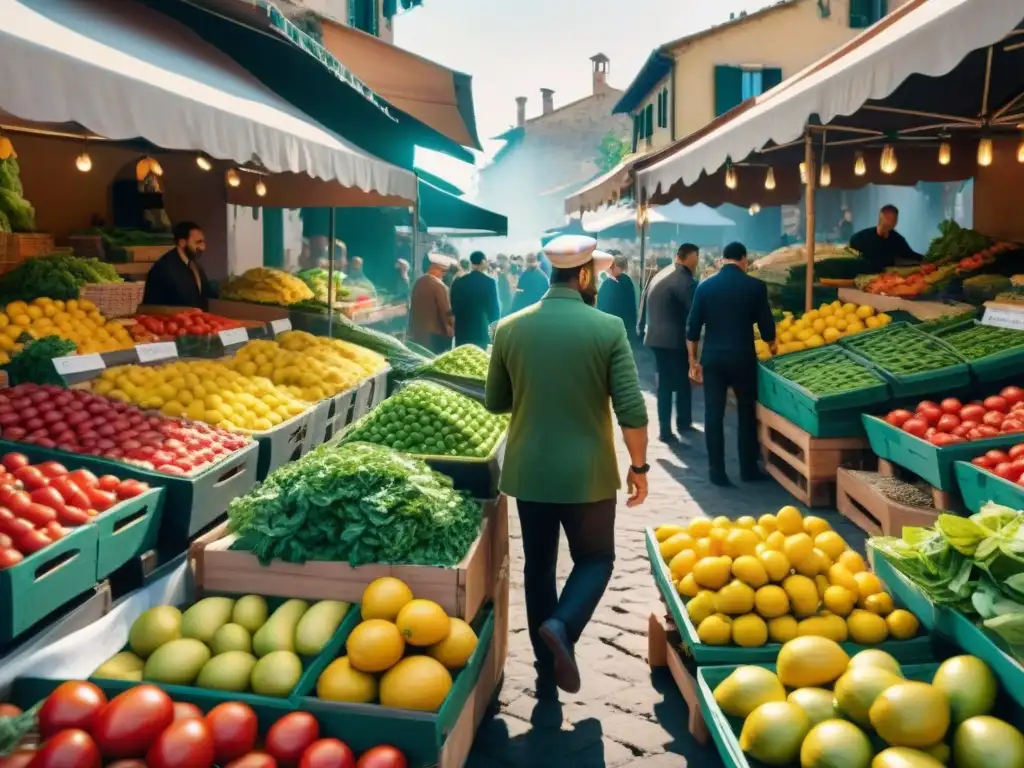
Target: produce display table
[873, 512]
[922, 310]
[663, 651]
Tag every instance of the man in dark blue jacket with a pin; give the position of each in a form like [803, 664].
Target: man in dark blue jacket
[726, 307]
[475, 303]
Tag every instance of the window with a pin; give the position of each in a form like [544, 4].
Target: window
[649, 121]
[663, 108]
[751, 84]
[734, 85]
[864, 13]
[363, 15]
[638, 129]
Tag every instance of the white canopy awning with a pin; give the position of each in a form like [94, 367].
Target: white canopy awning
[675, 213]
[125, 72]
[928, 37]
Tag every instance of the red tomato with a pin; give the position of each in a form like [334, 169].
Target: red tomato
[9, 710]
[940, 439]
[52, 469]
[109, 482]
[129, 489]
[289, 737]
[99, 500]
[916, 427]
[31, 478]
[252, 760]
[987, 431]
[994, 418]
[55, 531]
[73, 495]
[931, 414]
[72, 748]
[83, 478]
[234, 728]
[996, 456]
[1017, 451]
[126, 764]
[31, 542]
[20, 759]
[899, 417]
[184, 744]
[13, 526]
[951, 405]
[972, 412]
[925, 404]
[74, 704]
[39, 515]
[1012, 395]
[1006, 471]
[183, 711]
[382, 757]
[48, 497]
[948, 422]
[131, 722]
[9, 557]
[328, 753]
[14, 461]
[996, 403]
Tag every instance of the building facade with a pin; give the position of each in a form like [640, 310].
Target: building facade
[375, 17]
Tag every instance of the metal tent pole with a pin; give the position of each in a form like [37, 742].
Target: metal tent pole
[809, 191]
[417, 268]
[330, 273]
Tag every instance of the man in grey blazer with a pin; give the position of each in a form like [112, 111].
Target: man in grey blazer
[664, 307]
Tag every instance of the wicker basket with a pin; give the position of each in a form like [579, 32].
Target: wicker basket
[114, 299]
[16, 248]
[88, 246]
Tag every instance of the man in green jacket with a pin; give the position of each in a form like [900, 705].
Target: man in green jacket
[560, 367]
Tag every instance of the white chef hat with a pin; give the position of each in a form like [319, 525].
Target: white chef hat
[571, 251]
[441, 260]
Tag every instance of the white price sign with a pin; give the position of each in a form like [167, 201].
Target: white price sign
[234, 336]
[161, 350]
[280, 326]
[1004, 318]
[67, 366]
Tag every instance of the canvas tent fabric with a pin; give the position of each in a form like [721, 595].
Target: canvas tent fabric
[125, 72]
[606, 189]
[674, 213]
[441, 210]
[929, 38]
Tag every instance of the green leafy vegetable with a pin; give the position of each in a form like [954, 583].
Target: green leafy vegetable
[34, 364]
[58, 276]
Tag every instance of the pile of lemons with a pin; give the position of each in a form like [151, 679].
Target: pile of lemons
[402, 654]
[324, 348]
[307, 375]
[781, 576]
[76, 320]
[202, 390]
[825, 325]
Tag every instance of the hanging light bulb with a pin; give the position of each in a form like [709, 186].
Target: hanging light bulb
[945, 153]
[889, 162]
[261, 188]
[203, 162]
[985, 152]
[83, 162]
[730, 178]
[825, 178]
[803, 173]
[1020, 151]
[6, 148]
[143, 168]
[754, 209]
[231, 177]
[155, 167]
[769, 179]
[860, 166]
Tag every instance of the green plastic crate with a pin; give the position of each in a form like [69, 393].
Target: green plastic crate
[819, 415]
[47, 580]
[943, 380]
[916, 649]
[997, 367]
[979, 487]
[286, 442]
[127, 530]
[904, 590]
[934, 465]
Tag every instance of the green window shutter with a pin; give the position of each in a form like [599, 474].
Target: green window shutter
[728, 88]
[649, 121]
[770, 77]
[636, 130]
[861, 13]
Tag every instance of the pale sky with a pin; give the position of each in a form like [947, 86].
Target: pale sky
[516, 48]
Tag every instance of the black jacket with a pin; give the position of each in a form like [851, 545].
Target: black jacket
[171, 283]
[617, 296]
[726, 306]
[475, 307]
[664, 307]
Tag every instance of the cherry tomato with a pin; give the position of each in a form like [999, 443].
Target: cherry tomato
[131, 722]
[252, 760]
[31, 542]
[41, 514]
[996, 403]
[916, 427]
[382, 757]
[930, 413]
[9, 557]
[183, 711]
[234, 728]
[15, 500]
[53, 469]
[74, 704]
[1017, 451]
[328, 753]
[32, 478]
[948, 422]
[99, 500]
[72, 748]
[72, 494]
[951, 405]
[972, 412]
[899, 417]
[129, 489]
[1007, 471]
[993, 418]
[289, 737]
[13, 526]
[109, 482]
[83, 478]
[14, 461]
[1012, 395]
[184, 744]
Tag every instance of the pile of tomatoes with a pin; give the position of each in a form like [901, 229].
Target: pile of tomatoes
[951, 422]
[1008, 465]
[188, 322]
[144, 727]
[39, 504]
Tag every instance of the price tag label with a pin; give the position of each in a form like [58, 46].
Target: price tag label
[234, 336]
[161, 350]
[1004, 318]
[72, 364]
[280, 326]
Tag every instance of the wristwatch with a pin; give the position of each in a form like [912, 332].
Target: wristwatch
[640, 470]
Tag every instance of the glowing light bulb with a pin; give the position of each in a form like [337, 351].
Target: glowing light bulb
[203, 163]
[825, 178]
[754, 209]
[945, 153]
[985, 152]
[730, 178]
[860, 166]
[232, 178]
[155, 167]
[261, 189]
[143, 168]
[1020, 151]
[83, 162]
[769, 179]
[803, 173]
[889, 162]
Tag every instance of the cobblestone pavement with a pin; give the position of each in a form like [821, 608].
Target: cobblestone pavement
[625, 715]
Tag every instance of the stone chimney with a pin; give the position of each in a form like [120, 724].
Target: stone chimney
[600, 67]
[520, 111]
[547, 97]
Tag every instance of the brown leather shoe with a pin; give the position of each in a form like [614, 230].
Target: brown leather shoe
[567, 674]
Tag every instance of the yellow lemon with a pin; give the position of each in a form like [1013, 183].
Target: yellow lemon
[700, 527]
[417, 682]
[707, 547]
[798, 547]
[750, 570]
[852, 561]
[866, 628]
[715, 630]
[683, 563]
[776, 564]
[840, 575]
[687, 586]
[902, 624]
[803, 595]
[454, 651]
[713, 572]
[749, 631]
[782, 629]
[721, 522]
[815, 341]
[771, 601]
[667, 531]
[740, 541]
[814, 526]
[880, 603]
[775, 540]
[673, 545]
[831, 627]
[789, 520]
[864, 311]
[374, 646]
[745, 522]
[822, 584]
[831, 543]
[767, 522]
[867, 584]
[343, 682]
[839, 600]
[423, 622]
[701, 606]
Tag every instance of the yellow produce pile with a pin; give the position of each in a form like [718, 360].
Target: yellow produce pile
[202, 390]
[323, 348]
[75, 320]
[864, 713]
[267, 286]
[775, 578]
[824, 325]
[401, 655]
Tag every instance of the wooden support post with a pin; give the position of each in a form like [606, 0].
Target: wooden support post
[809, 189]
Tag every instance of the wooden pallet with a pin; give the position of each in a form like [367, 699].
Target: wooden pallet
[945, 501]
[872, 512]
[804, 465]
[662, 651]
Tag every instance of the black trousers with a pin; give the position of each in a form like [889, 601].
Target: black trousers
[719, 377]
[590, 530]
[673, 380]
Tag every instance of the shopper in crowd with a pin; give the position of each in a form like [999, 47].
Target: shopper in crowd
[664, 309]
[882, 246]
[532, 285]
[726, 307]
[403, 287]
[545, 264]
[177, 278]
[556, 367]
[617, 296]
[430, 311]
[356, 282]
[475, 303]
[506, 284]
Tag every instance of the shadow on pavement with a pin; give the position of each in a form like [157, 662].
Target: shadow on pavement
[547, 741]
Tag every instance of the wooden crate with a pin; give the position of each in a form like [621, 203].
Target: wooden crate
[872, 512]
[946, 501]
[88, 246]
[804, 465]
[146, 253]
[662, 651]
[19, 246]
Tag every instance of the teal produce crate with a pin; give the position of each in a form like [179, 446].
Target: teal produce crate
[819, 415]
[934, 465]
[916, 649]
[979, 487]
[904, 590]
[127, 530]
[942, 381]
[192, 503]
[997, 367]
[419, 735]
[47, 580]
[986, 645]
[286, 442]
